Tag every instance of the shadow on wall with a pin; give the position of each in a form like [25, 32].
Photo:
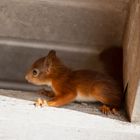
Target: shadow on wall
[112, 59]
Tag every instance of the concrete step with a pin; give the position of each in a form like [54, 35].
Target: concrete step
[90, 22]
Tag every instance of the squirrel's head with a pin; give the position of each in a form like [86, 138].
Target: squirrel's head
[44, 69]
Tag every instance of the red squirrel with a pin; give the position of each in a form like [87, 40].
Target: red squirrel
[73, 85]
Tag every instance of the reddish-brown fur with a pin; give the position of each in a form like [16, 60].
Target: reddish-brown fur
[67, 84]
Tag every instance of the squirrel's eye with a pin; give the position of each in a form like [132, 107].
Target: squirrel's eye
[35, 72]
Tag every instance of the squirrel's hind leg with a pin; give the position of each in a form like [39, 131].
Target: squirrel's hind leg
[108, 110]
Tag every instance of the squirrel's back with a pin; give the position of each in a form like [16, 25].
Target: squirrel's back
[95, 86]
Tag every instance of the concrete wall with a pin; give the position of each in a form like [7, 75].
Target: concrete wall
[77, 28]
[90, 22]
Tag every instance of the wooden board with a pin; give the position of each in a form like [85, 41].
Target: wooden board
[132, 61]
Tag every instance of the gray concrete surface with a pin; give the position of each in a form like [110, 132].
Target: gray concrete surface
[78, 30]
[89, 22]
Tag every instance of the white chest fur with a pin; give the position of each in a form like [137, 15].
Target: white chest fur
[49, 83]
[80, 98]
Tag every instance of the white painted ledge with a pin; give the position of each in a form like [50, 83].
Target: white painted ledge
[20, 120]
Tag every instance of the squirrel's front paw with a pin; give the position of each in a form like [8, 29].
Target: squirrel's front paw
[41, 102]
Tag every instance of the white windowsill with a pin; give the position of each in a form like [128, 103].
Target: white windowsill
[20, 120]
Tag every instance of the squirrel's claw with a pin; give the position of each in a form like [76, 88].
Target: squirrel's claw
[107, 110]
[41, 102]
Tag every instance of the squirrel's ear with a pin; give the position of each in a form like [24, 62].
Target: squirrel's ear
[51, 54]
[50, 58]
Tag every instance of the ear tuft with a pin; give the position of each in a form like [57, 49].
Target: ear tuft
[52, 53]
[49, 59]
